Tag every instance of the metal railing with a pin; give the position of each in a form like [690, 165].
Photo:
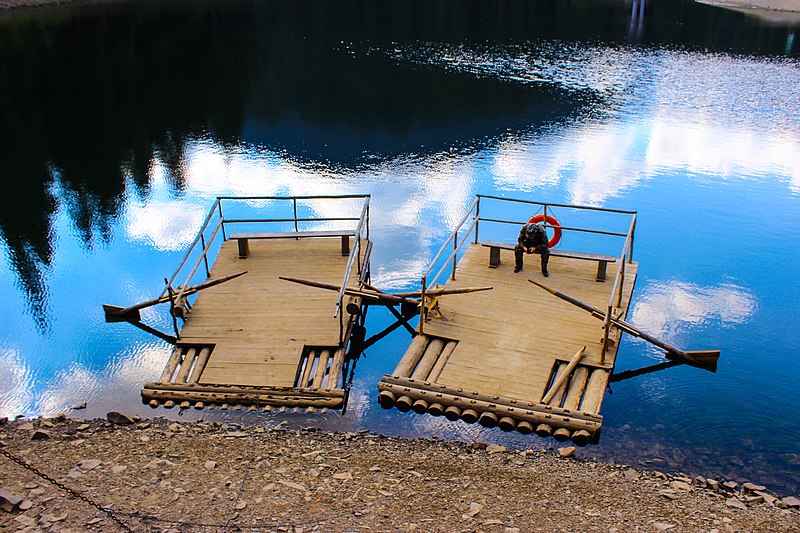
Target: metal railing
[215, 221]
[472, 222]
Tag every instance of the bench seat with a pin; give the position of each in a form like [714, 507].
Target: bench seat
[602, 259]
[243, 238]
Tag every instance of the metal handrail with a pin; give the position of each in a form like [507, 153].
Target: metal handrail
[568, 206]
[355, 251]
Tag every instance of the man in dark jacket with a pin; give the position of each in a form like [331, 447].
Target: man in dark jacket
[532, 238]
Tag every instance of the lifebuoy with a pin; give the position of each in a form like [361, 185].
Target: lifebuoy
[553, 222]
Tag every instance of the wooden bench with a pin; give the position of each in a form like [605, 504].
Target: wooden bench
[244, 238]
[602, 260]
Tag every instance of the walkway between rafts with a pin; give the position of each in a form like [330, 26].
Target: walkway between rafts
[515, 356]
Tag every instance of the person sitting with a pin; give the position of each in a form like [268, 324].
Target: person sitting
[532, 238]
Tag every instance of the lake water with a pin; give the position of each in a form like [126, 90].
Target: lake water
[121, 123]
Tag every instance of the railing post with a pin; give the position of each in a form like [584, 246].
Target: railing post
[606, 328]
[618, 303]
[422, 306]
[205, 255]
[219, 205]
[455, 249]
[294, 205]
[477, 217]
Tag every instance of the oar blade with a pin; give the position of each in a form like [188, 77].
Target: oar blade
[703, 359]
[119, 314]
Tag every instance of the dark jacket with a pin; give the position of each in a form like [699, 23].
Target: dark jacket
[532, 236]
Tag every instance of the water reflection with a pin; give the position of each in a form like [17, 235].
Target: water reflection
[665, 309]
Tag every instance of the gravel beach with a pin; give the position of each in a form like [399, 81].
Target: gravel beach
[158, 475]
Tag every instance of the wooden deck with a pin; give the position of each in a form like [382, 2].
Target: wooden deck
[261, 341]
[511, 344]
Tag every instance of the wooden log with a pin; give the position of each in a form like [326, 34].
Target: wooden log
[186, 365]
[507, 423]
[200, 365]
[581, 437]
[576, 387]
[488, 419]
[306, 377]
[420, 406]
[544, 430]
[467, 395]
[169, 404]
[595, 390]
[447, 351]
[561, 434]
[428, 359]
[386, 399]
[353, 306]
[223, 407]
[470, 416]
[412, 356]
[242, 389]
[172, 364]
[208, 397]
[198, 405]
[334, 376]
[452, 412]
[267, 409]
[525, 427]
[557, 390]
[154, 403]
[185, 404]
[436, 409]
[403, 403]
[322, 366]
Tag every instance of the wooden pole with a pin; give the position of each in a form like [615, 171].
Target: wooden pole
[200, 365]
[336, 369]
[412, 356]
[186, 365]
[425, 365]
[304, 380]
[706, 359]
[452, 413]
[322, 366]
[561, 379]
[595, 390]
[172, 364]
[442, 361]
[576, 387]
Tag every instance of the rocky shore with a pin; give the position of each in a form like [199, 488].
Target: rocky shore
[121, 473]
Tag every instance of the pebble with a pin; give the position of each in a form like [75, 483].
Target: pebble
[474, 509]
[80, 406]
[791, 501]
[680, 485]
[566, 451]
[736, 504]
[210, 465]
[344, 476]
[241, 505]
[83, 427]
[9, 500]
[663, 526]
[631, 474]
[496, 448]
[89, 464]
[752, 487]
[118, 418]
[118, 469]
[40, 434]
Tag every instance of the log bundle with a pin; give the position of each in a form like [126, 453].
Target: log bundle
[318, 385]
[508, 414]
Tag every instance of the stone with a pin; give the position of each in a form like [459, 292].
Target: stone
[752, 487]
[478, 445]
[80, 406]
[663, 526]
[344, 476]
[474, 509]
[791, 501]
[293, 485]
[631, 474]
[730, 486]
[769, 498]
[83, 427]
[89, 464]
[492, 522]
[40, 434]
[93, 521]
[3, 420]
[24, 505]
[681, 485]
[27, 426]
[9, 500]
[496, 448]
[118, 418]
[210, 465]
[236, 434]
[511, 530]
[241, 505]
[735, 504]
[566, 451]
[713, 484]
[118, 469]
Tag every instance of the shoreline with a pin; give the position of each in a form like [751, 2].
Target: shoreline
[159, 475]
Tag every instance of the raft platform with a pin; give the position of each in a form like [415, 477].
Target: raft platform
[516, 356]
[256, 340]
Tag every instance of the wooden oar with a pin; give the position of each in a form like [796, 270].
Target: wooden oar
[706, 359]
[126, 314]
[442, 292]
[375, 296]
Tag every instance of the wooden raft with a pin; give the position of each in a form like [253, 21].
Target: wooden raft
[259, 341]
[509, 357]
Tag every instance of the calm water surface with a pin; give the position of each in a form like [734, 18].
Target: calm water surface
[121, 123]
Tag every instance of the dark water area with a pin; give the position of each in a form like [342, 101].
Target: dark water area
[121, 122]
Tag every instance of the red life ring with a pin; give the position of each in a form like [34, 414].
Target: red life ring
[553, 222]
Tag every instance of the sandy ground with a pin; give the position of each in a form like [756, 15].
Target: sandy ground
[157, 475]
